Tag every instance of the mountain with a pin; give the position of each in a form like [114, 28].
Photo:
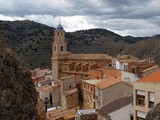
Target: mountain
[32, 42]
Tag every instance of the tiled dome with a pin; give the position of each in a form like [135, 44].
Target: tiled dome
[59, 27]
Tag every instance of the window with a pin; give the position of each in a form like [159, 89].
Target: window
[58, 34]
[61, 48]
[54, 48]
[91, 89]
[133, 70]
[70, 86]
[50, 100]
[97, 77]
[140, 98]
[61, 34]
[140, 115]
[151, 99]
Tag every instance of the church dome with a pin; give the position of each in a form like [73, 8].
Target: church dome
[59, 27]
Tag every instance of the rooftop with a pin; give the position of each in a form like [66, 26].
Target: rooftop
[93, 81]
[88, 56]
[67, 77]
[48, 88]
[107, 83]
[87, 111]
[127, 57]
[154, 77]
[115, 105]
[67, 62]
[150, 68]
[68, 92]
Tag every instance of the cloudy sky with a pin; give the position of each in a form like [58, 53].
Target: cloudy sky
[125, 17]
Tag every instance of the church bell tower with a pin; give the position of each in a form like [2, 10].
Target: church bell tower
[59, 50]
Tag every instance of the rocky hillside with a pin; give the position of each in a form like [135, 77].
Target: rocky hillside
[32, 42]
[18, 96]
[154, 113]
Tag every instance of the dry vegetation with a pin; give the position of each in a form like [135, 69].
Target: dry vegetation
[32, 42]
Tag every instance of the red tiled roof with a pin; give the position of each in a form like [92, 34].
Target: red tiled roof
[69, 92]
[154, 77]
[107, 83]
[88, 56]
[150, 68]
[36, 77]
[67, 62]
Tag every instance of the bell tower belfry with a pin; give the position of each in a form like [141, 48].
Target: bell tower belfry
[59, 50]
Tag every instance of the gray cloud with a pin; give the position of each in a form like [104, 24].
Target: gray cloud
[135, 17]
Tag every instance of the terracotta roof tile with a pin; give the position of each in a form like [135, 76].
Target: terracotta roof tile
[69, 92]
[49, 88]
[93, 81]
[107, 83]
[88, 56]
[150, 68]
[154, 77]
[67, 77]
[67, 62]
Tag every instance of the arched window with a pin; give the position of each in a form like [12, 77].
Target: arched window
[54, 48]
[61, 34]
[58, 34]
[61, 48]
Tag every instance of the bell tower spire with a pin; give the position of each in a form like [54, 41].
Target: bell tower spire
[59, 50]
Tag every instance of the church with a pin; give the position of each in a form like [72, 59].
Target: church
[64, 63]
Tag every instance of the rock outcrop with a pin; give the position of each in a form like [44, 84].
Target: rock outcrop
[154, 114]
[18, 96]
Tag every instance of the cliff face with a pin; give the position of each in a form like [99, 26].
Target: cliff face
[154, 114]
[18, 96]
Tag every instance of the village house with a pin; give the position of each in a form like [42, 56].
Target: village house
[97, 93]
[51, 95]
[149, 70]
[118, 109]
[41, 77]
[69, 94]
[60, 94]
[145, 95]
[108, 72]
[132, 64]
[123, 60]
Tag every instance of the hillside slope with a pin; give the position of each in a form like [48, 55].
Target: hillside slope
[32, 42]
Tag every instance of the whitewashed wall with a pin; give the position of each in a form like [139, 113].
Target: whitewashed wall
[126, 76]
